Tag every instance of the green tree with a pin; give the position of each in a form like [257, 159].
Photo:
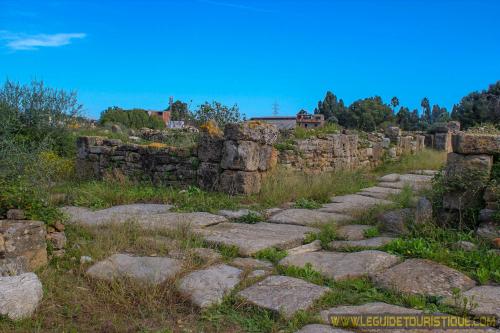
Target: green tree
[217, 112]
[394, 102]
[179, 111]
[479, 107]
[439, 114]
[330, 107]
[426, 110]
[404, 119]
[367, 114]
[135, 118]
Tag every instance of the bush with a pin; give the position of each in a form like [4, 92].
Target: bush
[135, 118]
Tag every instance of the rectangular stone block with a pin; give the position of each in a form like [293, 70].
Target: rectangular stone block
[23, 238]
[462, 165]
[208, 176]
[255, 131]
[210, 148]
[240, 182]
[240, 155]
[465, 143]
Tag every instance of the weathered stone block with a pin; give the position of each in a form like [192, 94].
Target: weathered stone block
[209, 176]
[462, 165]
[26, 239]
[241, 155]
[240, 182]
[442, 141]
[465, 143]
[252, 131]
[210, 148]
[268, 157]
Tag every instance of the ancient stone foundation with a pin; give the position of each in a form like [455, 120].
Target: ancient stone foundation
[440, 136]
[468, 176]
[236, 161]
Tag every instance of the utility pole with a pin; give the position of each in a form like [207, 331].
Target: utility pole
[276, 108]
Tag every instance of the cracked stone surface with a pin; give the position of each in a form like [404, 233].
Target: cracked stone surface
[251, 238]
[307, 217]
[20, 295]
[369, 243]
[421, 276]
[251, 263]
[352, 204]
[342, 266]
[153, 219]
[154, 270]
[486, 300]
[207, 287]
[283, 294]
[236, 214]
[353, 232]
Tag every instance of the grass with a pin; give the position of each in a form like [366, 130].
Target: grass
[437, 244]
[271, 254]
[326, 234]
[427, 159]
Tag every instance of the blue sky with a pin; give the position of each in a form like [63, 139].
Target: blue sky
[253, 53]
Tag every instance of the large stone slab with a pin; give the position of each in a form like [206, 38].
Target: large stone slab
[209, 286]
[369, 243]
[464, 143]
[396, 221]
[252, 131]
[421, 276]
[20, 295]
[154, 270]
[367, 309]
[240, 155]
[485, 300]
[342, 266]
[283, 294]
[352, 204]
[251, 263]
[379, 192]
[251, 238]
[307, 217]
[22, 238]
[318, 328]
[353, 231]
[150, 221]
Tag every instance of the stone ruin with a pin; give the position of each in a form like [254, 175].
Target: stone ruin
[233, 162]
[236, 160]
[439, 137]
[470, 165]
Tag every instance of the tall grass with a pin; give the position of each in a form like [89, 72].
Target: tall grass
[283, 185]
[427, 159]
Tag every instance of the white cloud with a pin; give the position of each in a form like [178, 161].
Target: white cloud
[18, 41]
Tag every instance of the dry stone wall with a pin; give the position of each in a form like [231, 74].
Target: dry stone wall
[236, 161]
[347, 151]
[441, 136]
[468, 177]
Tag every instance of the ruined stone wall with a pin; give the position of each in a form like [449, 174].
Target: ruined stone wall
[236, 161]
[469, 184]
[335, 152]
[157, 163]
[441, 135]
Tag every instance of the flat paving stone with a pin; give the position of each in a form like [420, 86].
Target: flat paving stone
[251, 263]
[402, 185]
[376, 195]
[283, 294]
[237, 214]
[378, 189]
[208, 286]
[251, 238]
[352, 232]
[318, 328]
[352, 204]
[154, 270]
[421, 276]
[307, 217]
[342, 266]
[378, 308]
[149, 221]
[366, 309]
[311, 247]
[369, 243]
[486, 300]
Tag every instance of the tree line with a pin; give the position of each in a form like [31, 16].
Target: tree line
[139, 118]
[371, 113]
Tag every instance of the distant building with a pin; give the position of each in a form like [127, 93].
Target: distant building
[175, 124]
[164, 115]
[303, 119]
[307, 120]
[283, 123]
